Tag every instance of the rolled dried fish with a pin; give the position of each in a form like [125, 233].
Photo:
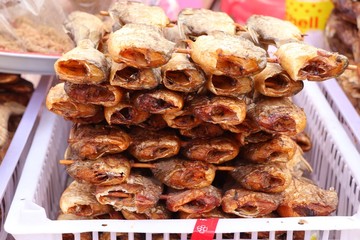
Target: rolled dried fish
[218, 109]
[212, 150]
[20, 85]
[198, 200]
[78, 199]
[82, 25]
[107, 170]
[225, 54]
[154, 123]
[140, 46]
[6, 78]
[223, 85]
[183, 119]
[159, 101]
[180, 173]
[302, 61]
[279, 149]
[134, 78]
[263, 177]
[274, 81]
[303, 140]
[215, 213]
[126, 12]
[270, 30]
[203, 130]
[83, 65]
[150, 145]
[179, 74]
[158, 212]
[137, 194]
[304, 198]
[98, 94]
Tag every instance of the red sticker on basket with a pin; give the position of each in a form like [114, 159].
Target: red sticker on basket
[204, 229]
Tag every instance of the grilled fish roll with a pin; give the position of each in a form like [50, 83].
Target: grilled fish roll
[304, 198]
[278, 116]
[125, 113]
[81, 25]
[98, 94]
[270, 30]
[215, 213]
[229, 86]
[203, 130]
[126, 12]
[107, 170]
[248, 204]
[194, 200]
[274, 81]
[83, 65]
[263, 177]
[196, 22]
[140, 46]
[58, 102]
[136, 194]
[91, 141]
[184, 174]
[218, 110]
[78, 199]
[302, 61]
[179, 74]
[214, 150]
[224, 54]
[133, 78]
[303, 140]
[149, 145]
[159, 101]
[279, 149]
[183, 119]
[157, 212]
[154, 123]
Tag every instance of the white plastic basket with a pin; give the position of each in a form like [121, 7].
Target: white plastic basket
[343, 109]
[13, 162]
[334, 158]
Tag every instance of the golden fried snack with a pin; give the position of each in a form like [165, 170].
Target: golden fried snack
[274, 81]
[107, 170]
[304, 198]
[198, 200]
[83, 65]
[179, 74]
[225, 54]
[82, 25]
[278, 116]
[180, 173]
[58, 102]
[203, 130]
[212, 150]
[196, 22]
[183, 119]
[126, 12]
[248, 204]
[78, 199]
[91, 141]
[159, 101]
[270, 30]
[150, 145]
[98, 94]
[279, 149]
[302, 61]
[223, 85]
[219, 110]
[136, 194]
[158, 212]
[140, 46]
[133, 78]
[263, 177]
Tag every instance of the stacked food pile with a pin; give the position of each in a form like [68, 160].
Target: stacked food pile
[342, 35]
[187, 121]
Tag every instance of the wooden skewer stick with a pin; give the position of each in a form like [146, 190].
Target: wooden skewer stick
[104, 13]
[352, 67]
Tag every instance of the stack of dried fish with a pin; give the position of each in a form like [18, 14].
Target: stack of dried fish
[164, 130]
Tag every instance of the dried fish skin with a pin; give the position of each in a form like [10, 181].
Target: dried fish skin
[223, 85]
[225, 54]
[140, 46]
[203, 130]
[306, 62]
[83, 65]
[274, 81]
[182, 119]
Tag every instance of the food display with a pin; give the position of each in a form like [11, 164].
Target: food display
[205, 128]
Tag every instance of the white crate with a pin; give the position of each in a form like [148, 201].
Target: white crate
[343, 109]
[334, 158]
[13, 162]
